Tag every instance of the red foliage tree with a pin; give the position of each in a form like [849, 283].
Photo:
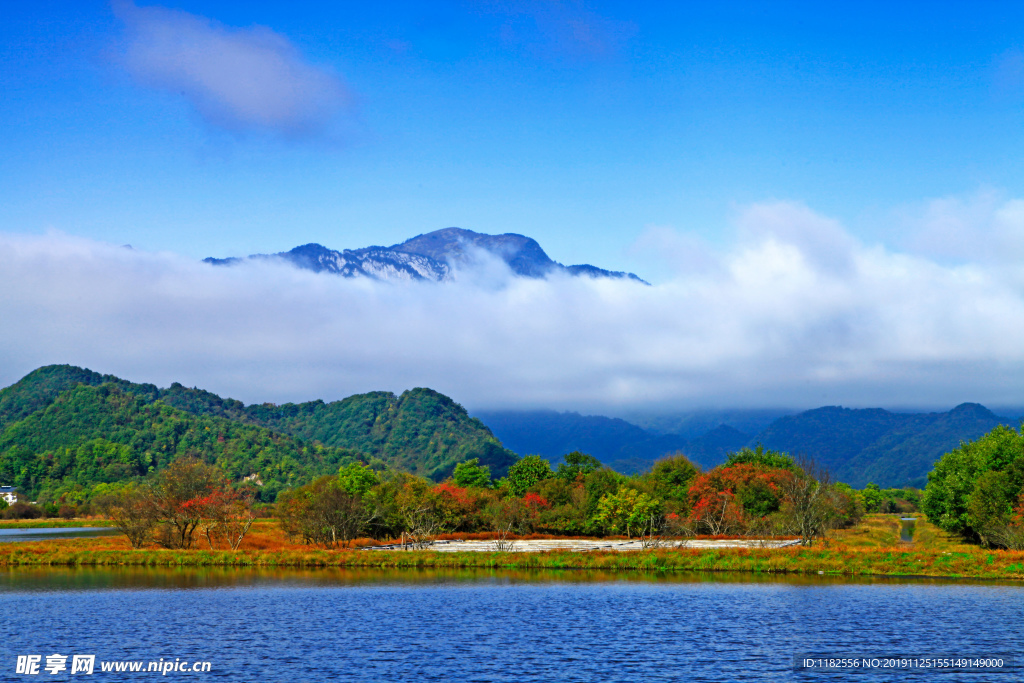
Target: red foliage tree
[726, 498]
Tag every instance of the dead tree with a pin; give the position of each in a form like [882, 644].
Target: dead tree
[810, 501]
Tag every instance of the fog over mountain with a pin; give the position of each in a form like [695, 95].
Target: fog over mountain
[792, 313]
[434, 256]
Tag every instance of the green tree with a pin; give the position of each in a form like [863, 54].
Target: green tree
[627, 511]
[356, 478]
[872, 498]
[471, 474]
[951, 483]
[671, 477]
[527, 472]
[990, 505]
[577, 463]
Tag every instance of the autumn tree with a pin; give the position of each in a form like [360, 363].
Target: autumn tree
[179, 492]
[322, 512]
[134, 512]
[226, 514]
[717, 513]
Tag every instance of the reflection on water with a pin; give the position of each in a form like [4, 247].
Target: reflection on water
[141, 578]
[484, 625]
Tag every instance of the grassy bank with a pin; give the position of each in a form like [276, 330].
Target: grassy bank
[833, 561]
[871, 548]
[891, 562]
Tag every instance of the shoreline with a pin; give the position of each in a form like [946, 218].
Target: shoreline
[904, 563]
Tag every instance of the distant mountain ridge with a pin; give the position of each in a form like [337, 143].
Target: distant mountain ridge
[856, 445]
[622, 446]
[871, 444]
[432, 256]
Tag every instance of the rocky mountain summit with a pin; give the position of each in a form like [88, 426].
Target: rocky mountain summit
[433, 256]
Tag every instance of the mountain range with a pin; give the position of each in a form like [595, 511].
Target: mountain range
[66, 428]
[857, 446]
[435, 256]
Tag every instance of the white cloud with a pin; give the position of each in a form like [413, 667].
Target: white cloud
[984, 227]
[795, 313]
[251, 78]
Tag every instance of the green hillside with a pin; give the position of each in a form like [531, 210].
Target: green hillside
[55, 412]
[421, 431]
[91, 435]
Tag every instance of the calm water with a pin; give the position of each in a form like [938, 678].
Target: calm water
[492, 626]
[48, 534]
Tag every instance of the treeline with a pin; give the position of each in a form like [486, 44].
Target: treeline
[977, 490]
[756, 492]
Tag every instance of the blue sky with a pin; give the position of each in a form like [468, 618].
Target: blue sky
[826, 197]
[500, 117]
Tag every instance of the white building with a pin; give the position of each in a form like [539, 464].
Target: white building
[9, 494]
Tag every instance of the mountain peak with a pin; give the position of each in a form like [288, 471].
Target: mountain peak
[972, 410]
[431, 256]
[453, 245]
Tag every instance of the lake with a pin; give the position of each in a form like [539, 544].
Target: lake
[16, 534]
[345, 625]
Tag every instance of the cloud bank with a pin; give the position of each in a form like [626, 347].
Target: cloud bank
[240, 79]
[796, 312]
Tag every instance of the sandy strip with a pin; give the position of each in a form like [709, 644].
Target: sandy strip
[582, 546]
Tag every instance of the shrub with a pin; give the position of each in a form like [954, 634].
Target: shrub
[759, 456]
[21, 510]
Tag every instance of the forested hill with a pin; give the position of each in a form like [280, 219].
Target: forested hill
[93, 435]
[41, 387]
[890, 449]
[421, 431]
